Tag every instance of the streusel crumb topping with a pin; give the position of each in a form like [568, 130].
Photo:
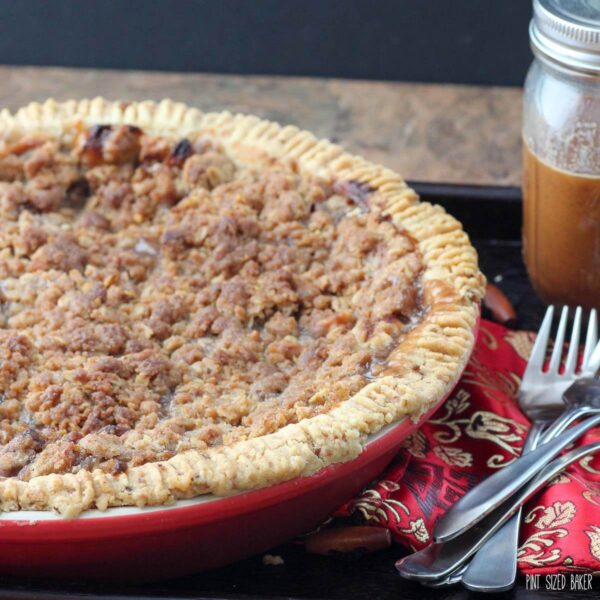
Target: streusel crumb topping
[156, 297]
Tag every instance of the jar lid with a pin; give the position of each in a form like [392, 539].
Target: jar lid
[568, 32]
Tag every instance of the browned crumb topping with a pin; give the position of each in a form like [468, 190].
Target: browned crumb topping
[156, 297]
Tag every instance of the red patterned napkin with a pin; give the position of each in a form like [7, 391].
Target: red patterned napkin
[477, 430]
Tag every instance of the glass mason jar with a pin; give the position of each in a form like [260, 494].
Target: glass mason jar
[561, 154]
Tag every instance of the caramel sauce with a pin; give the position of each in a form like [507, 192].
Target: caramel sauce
[561, 233]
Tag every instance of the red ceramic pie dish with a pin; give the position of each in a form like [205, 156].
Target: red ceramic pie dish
[411, 291]
[164, 542]
[153, 543]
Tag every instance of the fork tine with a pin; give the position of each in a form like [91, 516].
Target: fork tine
[593, 364]
[538, 352]
[592, 336]
[571, 362]
[559, 341]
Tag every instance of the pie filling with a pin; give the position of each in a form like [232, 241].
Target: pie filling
[155, 297]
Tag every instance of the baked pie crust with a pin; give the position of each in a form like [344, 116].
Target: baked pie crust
[358, 304]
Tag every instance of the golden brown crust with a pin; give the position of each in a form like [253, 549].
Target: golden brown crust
[420, 371]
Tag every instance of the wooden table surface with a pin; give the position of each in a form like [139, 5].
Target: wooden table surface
[436, 133]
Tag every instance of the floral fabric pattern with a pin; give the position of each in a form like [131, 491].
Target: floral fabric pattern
[478, 430]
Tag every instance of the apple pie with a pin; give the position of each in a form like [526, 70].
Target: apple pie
[196, 303]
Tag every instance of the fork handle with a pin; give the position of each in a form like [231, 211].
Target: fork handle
[441, 559]
[565, 419]
[494, 567]
[488, 495]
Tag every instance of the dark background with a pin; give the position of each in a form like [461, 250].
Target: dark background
[446, 41]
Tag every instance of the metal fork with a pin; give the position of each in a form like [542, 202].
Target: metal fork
[494, 567]
[441, 559]
[441, 564]
[540, 395]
